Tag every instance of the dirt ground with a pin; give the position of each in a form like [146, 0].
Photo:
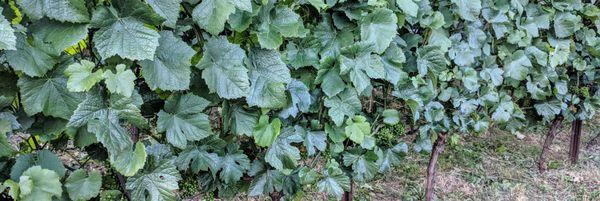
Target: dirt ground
[499, 166]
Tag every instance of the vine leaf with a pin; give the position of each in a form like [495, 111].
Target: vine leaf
[159, 183]
[273, 27]
[388, 158]
[224, 70]
[211, 15]
[363, 165]
[265, 181]
[334, 181]
[239, 120]
[122, 30]
[121, 82]
[329, 77]
[268, 77]
[168, 9]
[357, 129]
[198, 160]
[264, 132]
[103, 118]
[43, 158]
[30, 59]
[83, 186]
[313, 140]
[36, 184]
[183, 120]
[344, 104]
[517, 66]
[8, 40]
[61, 10]
[361, 66]
[233, 165]
[170, 68]
[379, 28]
[408, 6]
[48, 94]
[301, 99]
[281, 154]
[81, 77]
[56, 37]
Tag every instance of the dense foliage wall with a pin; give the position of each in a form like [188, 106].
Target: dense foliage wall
[272, 97]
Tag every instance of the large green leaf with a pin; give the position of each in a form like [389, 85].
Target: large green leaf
[239, 120]
[344, 104]
[61, 10]
[43, 158]
[268, 76]
[8, 40]
[170, 69]
[82, 186]
[392, 60]
[334, 182]
[121, 82]
[301, 99]
[361, 66]
[264, 132]
[123, 31]
[103, 118]
[183, 120]
[468, 9]
[224, 70]
[313, 140]
[379, 28]
[517, 66]
[329, 77]
[331, 40]
[363, 165]
[409, 7]
[58, 35]
[48, 95]
[430, 58]
[156, 185]
[233, 165]
[198, 160]
[30, 59]
[168, 9]
[281, 154]
[128, 162]
[388, 158]
[565, 24]
[357, 129]
[269, 181]
[39, 184]
[211, 15]
[276, 23]
[81, 77]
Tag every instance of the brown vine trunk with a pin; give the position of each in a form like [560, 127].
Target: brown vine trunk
[556, 123]
[438, 148]
[575, 141]
[122, 184]
[349, 195]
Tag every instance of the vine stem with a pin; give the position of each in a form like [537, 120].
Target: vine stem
[36, 143]
[575, 141]
[555, 126]
[122, 185]
[438, 148]
[349, 195]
